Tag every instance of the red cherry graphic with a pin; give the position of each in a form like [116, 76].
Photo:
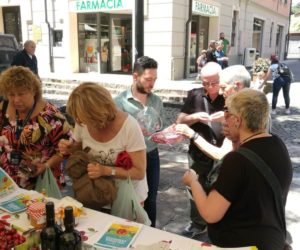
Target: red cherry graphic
[5, 217]
[84, 238]
[5, 179]
[205, 244]
[122, 231]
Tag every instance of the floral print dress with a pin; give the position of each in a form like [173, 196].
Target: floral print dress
[38, 142]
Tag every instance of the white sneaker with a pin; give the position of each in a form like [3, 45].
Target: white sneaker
[273, 112]
[287, 111]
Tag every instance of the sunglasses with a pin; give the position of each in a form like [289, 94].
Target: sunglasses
[210, 84]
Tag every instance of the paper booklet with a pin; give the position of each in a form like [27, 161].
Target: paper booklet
[119, 235]
[12, 197]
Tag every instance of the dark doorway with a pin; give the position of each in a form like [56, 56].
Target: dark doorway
[198, 39]
[12, 21]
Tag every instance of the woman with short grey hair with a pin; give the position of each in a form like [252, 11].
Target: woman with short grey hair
[240, 209]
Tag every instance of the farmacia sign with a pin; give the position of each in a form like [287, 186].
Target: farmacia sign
[99, 5]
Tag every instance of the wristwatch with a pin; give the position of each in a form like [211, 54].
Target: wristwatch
[113, 171]
[195, 136]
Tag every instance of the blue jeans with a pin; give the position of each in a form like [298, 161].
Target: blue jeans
[153, 173]
[283, 82]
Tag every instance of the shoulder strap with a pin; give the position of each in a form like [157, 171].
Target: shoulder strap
[267, 173]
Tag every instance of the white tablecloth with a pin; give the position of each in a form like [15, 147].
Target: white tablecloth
[95, 223]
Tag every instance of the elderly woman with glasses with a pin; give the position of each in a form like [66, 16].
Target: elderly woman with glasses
[240, 209]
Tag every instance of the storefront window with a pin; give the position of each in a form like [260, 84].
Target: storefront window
[105, 45]
[193, 44]
[88, 42]
[121, 43]
[198, 39]
[203, 33]
[104, 42]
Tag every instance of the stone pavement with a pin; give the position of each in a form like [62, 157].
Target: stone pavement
[173, 203]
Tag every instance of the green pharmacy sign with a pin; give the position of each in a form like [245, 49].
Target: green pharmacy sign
[99, 5]
[205, 9]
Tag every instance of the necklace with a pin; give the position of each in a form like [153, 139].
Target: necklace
[251, 136]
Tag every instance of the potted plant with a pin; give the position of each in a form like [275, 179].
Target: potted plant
[260, 65]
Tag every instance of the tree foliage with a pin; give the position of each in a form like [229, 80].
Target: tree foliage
[296, 8]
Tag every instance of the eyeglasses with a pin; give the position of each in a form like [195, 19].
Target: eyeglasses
[210, 84]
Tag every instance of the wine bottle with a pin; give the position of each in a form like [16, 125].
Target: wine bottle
[70, 239]
[51, 232]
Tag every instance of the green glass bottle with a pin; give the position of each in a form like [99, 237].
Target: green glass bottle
[50, 234]
[70, 239]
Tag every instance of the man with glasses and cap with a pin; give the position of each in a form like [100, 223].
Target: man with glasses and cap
[201, 111]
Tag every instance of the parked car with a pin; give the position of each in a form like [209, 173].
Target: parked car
[8, 48]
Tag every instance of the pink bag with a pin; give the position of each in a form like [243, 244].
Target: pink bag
[168, 136]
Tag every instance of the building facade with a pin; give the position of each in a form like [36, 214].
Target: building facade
[98, 35]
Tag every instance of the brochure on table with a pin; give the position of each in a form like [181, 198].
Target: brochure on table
[12, 197]
[119, 235]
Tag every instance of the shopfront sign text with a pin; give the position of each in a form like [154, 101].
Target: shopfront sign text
[98, 5]
[205, 9]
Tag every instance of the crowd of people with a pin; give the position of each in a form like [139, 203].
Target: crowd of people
[218, 51]
[223, 118]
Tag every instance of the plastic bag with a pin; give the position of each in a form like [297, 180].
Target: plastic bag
[168, 136]
[149, 120]
[46, 181]
[127, 205]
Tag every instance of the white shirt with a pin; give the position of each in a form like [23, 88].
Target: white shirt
[129, 138]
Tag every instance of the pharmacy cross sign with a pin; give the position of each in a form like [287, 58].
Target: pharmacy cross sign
[99, 5]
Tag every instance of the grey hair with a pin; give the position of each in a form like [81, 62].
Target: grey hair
[253, 106]
[236, 73]
[28, 42]
[210, 69]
